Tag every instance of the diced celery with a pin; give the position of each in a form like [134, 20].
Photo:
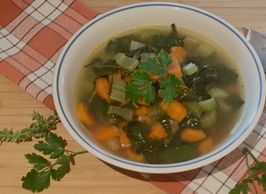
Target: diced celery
[190, 69]
[118, 90]
[135, 45]
[126, 62]
[145, 56]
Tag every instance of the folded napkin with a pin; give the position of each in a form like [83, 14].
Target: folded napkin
[32, 34]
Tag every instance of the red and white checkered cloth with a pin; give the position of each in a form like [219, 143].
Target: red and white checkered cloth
[32, 33]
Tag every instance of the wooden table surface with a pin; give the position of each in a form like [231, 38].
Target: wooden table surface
[90, 175]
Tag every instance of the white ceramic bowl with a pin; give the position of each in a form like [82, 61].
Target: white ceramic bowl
[147, 14]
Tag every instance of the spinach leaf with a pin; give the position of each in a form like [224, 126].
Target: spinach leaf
[172, 154]
[225, 75]
[165, 42]
[189, 121]
[102, 68]
[97, 106]
[234, 101]
[120, 44]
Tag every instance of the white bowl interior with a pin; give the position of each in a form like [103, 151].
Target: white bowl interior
[104, 26]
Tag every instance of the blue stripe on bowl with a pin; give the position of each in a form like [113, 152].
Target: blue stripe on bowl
[157, 165]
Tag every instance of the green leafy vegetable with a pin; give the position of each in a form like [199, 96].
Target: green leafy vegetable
[39, 128]
[133, 92]
[168, 88]
[53, 147]
[257, 173]
[142, 85]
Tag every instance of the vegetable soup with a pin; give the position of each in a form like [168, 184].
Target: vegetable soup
[159, 94]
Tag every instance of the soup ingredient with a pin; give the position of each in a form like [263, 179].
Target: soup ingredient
[126, 62]
[179, 53]
[97, 105]
[207, 105]
[132, 155]
[208, 119]
[204, 50]
[101, 68]
[124, 140]
[157, 132]
[190, 69]
[102, 88]
[106, 133]
[142, 81]
[175, 110]
[192, 135]
[118, 90]
[167, 41]
[256, 174]
[142, 110]
[174, 68]
[83, 114]
[126, 113]
[206, 146]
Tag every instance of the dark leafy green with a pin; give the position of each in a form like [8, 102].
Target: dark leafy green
[234, 101]
[166, 41]
[120, 44]
[190, 121]
[103, 68]
[97, 105]
[225, 75]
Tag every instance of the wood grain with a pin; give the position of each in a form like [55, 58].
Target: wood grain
[91, 175]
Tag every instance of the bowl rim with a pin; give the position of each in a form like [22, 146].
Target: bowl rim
[158, 168]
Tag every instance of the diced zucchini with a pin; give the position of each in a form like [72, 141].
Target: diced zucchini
[125, 113]
[207, 105]
[190, 43]
[190, 69]
[134, 45]
[126, 62]
[193, 107]
[217, 93]
[208, 119]
[204, 50]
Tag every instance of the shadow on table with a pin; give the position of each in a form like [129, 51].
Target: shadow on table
[228, 162]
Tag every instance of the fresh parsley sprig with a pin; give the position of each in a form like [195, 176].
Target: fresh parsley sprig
[256, 173]
[55, 168]
[54, 160]
[142, 85]
[39, 128]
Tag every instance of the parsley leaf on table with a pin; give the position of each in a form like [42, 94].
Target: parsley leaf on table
[39, 128]
[256, 173]
[43, 170]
